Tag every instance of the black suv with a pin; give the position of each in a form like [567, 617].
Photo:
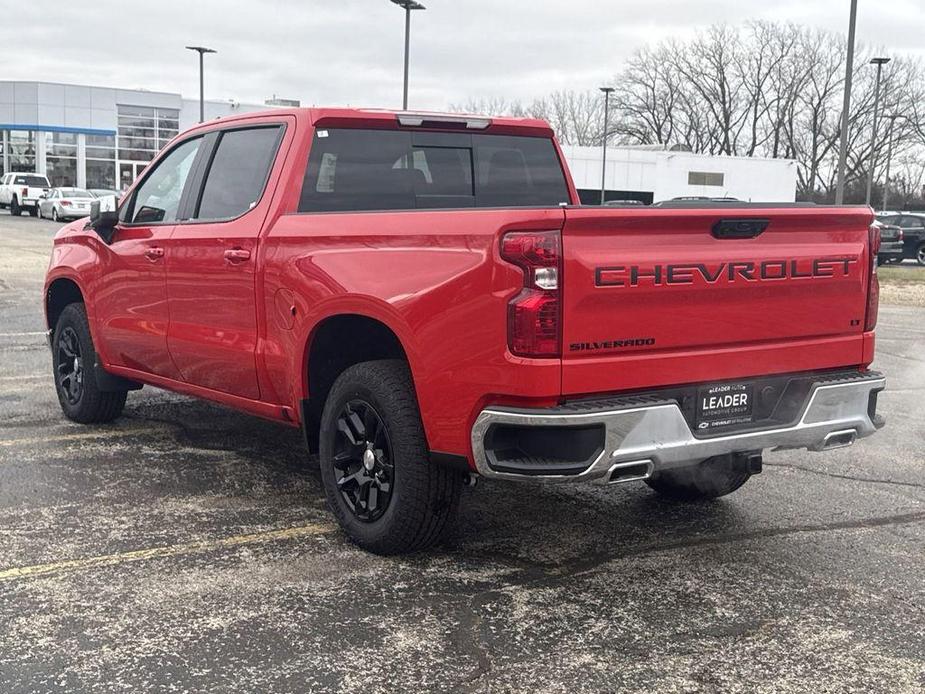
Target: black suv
[913, 227]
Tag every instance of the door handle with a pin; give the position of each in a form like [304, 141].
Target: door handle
[154, 253]
[237, 255]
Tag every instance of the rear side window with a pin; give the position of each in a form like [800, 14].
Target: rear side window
[353, 170]
[238, 172]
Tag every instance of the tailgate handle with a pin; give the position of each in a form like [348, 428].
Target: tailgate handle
[739, 228]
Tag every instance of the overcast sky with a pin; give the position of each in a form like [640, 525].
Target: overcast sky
[349, 52]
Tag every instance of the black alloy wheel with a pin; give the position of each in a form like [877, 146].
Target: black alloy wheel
[70, 371]
[363, 464]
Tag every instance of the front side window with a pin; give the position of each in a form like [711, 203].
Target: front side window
[238, 173]
[157, 199]
[353, 170]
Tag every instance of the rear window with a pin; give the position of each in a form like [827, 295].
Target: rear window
[74, 193]
[31, 181]
[396, 170]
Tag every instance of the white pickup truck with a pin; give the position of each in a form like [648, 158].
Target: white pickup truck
[20, 190]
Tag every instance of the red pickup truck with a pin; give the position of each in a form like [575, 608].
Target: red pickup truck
[424, 295]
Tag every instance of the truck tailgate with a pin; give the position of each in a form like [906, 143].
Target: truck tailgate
[663, 296]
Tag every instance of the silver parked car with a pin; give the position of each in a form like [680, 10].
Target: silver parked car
[65, 203]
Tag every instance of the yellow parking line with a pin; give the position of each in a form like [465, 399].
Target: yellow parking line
[31, 334]
[161, 552]
[33, 377]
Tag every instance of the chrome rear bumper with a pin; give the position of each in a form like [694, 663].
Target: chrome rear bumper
[643, 435]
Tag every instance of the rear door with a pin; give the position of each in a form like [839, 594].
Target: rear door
[212, 260]
[671, 296]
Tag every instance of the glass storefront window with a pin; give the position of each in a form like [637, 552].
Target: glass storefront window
[101, 147]
[101, 174]
[61, 144]
[21, 149]
[61, 171]
[136, 110]
[143, 132]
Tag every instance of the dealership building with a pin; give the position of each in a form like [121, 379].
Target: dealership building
[101, 137]
[92, 137]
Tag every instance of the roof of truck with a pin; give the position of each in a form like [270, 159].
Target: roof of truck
[409, 120]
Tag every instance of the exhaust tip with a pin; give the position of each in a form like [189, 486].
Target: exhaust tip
[839, 439]
[632, 471]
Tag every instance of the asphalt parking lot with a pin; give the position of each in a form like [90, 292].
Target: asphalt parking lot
[187, 548]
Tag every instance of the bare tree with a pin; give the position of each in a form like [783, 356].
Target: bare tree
[762, 89]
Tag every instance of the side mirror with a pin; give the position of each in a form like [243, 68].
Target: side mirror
[104, 215]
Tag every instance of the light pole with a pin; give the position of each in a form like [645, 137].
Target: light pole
[607, 92]
[408, 5]
[879, 62]
[889, 156]
[846, 107]
[201, 50]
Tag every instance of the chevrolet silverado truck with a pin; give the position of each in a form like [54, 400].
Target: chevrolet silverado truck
[23, 191]
[425, 297]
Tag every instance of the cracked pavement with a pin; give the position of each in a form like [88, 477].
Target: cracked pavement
[186, 548]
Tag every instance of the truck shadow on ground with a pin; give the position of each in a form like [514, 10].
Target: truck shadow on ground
[544, 524]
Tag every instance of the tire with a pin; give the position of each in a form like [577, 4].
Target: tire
[413, 499]
[54, 214]
[708, 479]
[920, 254]
[15, 209]
[78, 393]
[34, 211]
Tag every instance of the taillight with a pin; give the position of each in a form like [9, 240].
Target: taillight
[901, 235]
[533, 317]
[873, 284]
[65, 203]
[25, 192]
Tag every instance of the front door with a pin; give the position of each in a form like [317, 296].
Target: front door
[131, 296]
[212, 260]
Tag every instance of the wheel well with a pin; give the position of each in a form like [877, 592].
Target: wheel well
[338, 343]
[61, 292]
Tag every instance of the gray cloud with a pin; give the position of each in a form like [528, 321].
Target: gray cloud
[350, 51]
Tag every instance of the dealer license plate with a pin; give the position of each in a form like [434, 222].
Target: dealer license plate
[724, 404]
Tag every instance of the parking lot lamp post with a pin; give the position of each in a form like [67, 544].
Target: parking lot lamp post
[201, 50]
[879, 62]
[846, 107]
[408, 5]
[889, 156]
[607, 92]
